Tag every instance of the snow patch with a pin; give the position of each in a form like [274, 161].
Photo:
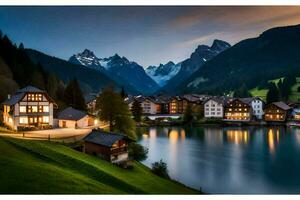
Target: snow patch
[197, 81]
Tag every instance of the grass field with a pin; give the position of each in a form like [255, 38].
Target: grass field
[42, 167]
[294, 96]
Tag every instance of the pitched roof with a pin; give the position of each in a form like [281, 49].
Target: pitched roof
[104, 138]
[29, 89]
[71, 114]
[281, 105]
[19, 94]
[14, 99]
[216, 99]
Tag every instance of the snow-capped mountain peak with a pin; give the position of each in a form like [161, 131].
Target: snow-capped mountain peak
[164, 72]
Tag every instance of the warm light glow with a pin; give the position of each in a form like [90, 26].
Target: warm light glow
[45, 119]
[173, 135]
[22, 109]
[23, 120]
[271, 140]
[95, 122]
[238, 136]
[45, 108]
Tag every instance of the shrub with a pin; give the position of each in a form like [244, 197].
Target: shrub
[138, 152]
[161, 169]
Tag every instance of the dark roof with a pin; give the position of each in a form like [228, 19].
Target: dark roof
[71, 114]
[281, 105]
[29, 89]
[216, 99]
[14, 99]
[104, 138]
[19, 94]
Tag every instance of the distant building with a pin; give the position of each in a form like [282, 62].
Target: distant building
[90, 101]
[148, 104]
[111, 147]
[256, 104]
[237, 110]
[214, 108]
[29, 107]
[177, 105]
[73, 118]
[276, 112]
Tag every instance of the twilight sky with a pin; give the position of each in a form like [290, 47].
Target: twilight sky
[147, 35]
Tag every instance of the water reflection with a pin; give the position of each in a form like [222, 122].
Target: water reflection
[228, 160]
[238, 136]
[273, 139]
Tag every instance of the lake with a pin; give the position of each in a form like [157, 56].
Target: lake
[231, 160]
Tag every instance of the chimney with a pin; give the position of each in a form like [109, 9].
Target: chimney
[8, 96]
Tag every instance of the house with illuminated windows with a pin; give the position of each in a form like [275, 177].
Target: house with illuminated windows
[238, 110]
[29, 107]
[277, 112]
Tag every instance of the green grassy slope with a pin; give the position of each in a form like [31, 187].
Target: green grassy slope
[42, 167]
[294, 96]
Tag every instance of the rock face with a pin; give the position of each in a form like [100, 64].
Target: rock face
[200, 56]
[164, 72]
[119, 69]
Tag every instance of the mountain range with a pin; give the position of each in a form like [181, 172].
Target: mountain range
[119, 69]
[249, 63]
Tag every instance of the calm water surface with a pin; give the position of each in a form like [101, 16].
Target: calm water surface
[228, 160]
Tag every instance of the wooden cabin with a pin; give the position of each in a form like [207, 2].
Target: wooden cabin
[276, 112]
[108, 146]
[29, 107]
[237, 110]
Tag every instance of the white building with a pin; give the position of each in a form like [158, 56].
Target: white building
[72, 118]
[257, 106]
[28, 107]
[148, 105]
[214, 108]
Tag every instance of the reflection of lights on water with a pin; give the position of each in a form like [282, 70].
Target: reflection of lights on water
[182, 134]
[271, 140]
[152, 133]
[238, 136]
[173, 135]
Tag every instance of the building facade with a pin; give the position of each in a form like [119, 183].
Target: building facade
[237, 110]
[177, 105]
[73, 118]
[257, 105]
[214, 108]
[29, 107]
[111, 147]
[276, 112]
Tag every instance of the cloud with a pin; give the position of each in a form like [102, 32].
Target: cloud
[234, 16]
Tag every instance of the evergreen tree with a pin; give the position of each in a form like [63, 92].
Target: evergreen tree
[21, 46]
[123, 94]
[273, 93]
[52, 85]
[242, 92]
[188, 114]
[136, 110]
[73, 96]
[115, 111]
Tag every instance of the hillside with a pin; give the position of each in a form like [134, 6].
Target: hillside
[262, 93]
[42, 167]
[90, 80]
[273, 54]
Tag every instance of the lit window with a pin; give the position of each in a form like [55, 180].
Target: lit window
[46, 109]
[22, 109]
[23, 120]
[45, 119]
[34, 108]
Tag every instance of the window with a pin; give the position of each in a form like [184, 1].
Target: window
[45, 119]
[23, 120]
[22, 109]
[34, 108]
[40, 108]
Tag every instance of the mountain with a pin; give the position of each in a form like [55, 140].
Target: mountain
[163, 73]
[200, 56]
[119, 69]
[90, 80]
[251, 62]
